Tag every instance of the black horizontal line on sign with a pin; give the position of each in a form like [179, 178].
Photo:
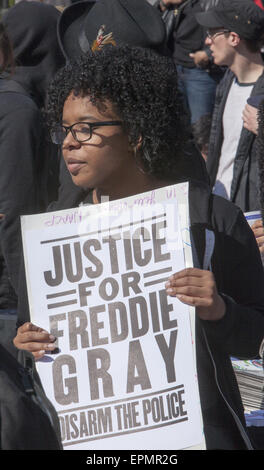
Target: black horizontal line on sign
[61, 294]
[176, 421]
[62, 304]
[102, 231]
[158, 281]
[159, 271]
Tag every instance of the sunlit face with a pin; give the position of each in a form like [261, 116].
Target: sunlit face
[220, 47]
[106, 159]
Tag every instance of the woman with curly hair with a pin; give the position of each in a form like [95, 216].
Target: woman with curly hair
[118, 116]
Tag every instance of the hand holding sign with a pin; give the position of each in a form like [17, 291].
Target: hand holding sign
[34, 339]
[196, 287]
[258, 231]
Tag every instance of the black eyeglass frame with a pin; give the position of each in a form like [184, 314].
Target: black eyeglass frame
[212, 36]
[91, 125]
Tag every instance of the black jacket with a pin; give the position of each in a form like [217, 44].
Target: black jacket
[29, 164]
[239, 276]
[20, 137]
[184, 34]
[245, 183]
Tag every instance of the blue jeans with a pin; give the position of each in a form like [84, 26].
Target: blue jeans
[198, 89]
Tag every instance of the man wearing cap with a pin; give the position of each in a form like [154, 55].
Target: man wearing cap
[235, 31]
[197, 75]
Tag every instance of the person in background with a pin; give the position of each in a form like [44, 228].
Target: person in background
[25, 424]
[197, 75]
[29, 167]
[7, 313]
[235, 36]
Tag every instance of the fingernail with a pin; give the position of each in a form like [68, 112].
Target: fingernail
[167, 284]
[170, 291]
[52, 338]
[51, 346]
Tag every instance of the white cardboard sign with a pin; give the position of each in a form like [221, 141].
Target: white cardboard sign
[124, 376]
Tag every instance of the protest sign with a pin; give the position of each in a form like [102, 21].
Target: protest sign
[251, 218]
[124, 375]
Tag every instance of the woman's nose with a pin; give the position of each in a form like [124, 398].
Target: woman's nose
[70, 141]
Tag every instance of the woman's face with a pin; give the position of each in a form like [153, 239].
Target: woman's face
[104, 161]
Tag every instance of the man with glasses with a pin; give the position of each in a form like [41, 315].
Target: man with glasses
[235, 29]
[197, 75]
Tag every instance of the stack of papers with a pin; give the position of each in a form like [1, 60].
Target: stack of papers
[255, 418]
[250, 378]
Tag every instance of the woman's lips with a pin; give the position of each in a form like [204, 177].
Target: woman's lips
[74, 166]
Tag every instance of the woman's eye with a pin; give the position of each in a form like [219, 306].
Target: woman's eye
[84, 129]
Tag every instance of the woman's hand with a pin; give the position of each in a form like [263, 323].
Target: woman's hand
[34, 339]
[258, 231]
[197, 288]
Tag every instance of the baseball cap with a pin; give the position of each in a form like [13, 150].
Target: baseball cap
[243, 17]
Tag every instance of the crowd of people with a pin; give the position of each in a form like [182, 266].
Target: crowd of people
[174, 91]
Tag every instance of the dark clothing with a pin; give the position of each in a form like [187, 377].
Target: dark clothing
[20, 138]
[188, 36]
[185, 37]
[239, 276]
[28, 421]
[35, 46]
[29, 163]
[245, 183]
[237, 267]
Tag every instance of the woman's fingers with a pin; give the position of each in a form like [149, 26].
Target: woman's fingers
[34, 339]
[258, 231]
[197, 288]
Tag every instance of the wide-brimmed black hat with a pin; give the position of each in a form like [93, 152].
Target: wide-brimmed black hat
[243, 17]
[91, 25]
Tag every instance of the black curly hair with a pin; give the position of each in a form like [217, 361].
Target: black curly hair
[142, 87]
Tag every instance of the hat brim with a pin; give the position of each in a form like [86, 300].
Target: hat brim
[69, 26]
[209, 19]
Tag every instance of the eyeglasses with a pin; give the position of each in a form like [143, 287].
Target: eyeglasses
[81, 131]
[212, 35]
